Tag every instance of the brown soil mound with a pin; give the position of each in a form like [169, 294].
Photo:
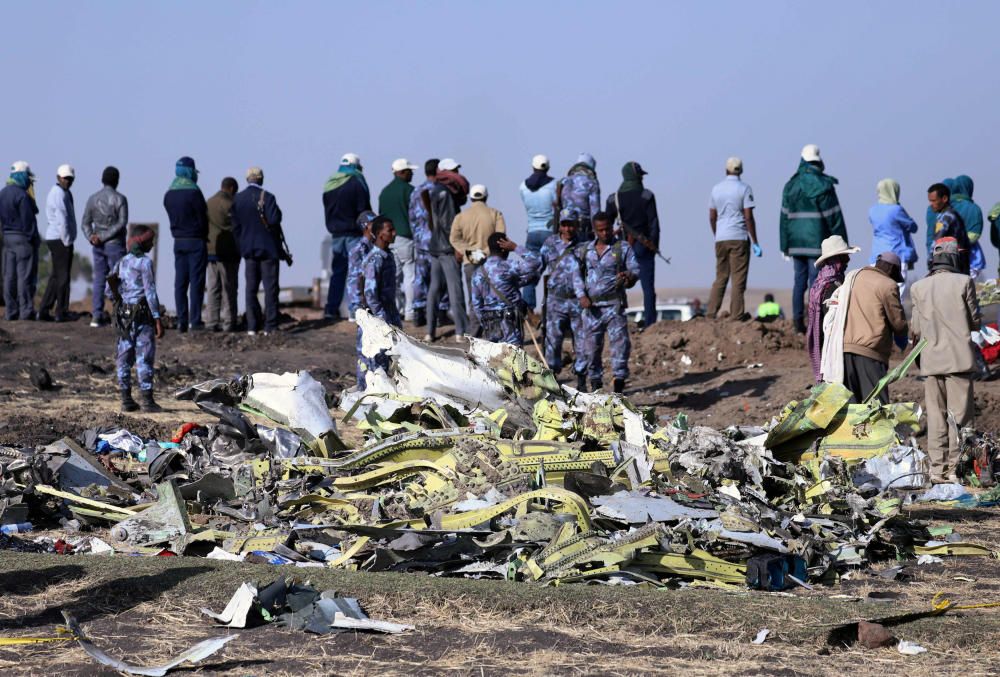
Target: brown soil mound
[710, 344]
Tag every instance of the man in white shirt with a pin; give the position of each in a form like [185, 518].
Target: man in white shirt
[59, 236]
[730, 214]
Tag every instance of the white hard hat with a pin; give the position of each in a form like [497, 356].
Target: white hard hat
[65, 172]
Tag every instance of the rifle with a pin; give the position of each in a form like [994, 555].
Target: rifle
[545, 305]
[636, 236]
[276, 230]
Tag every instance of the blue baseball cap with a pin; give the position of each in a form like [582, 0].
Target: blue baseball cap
[569, 214]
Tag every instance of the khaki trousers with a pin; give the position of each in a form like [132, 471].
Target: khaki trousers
[732, 259]
[946, 395]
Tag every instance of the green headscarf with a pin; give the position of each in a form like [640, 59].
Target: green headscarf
[632, 178]
[888, 192]
[343, 174]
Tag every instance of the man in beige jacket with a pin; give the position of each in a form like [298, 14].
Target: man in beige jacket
[945, 311]
[470, 234]
[874, 316]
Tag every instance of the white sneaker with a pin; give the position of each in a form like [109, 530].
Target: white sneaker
[95, 324]
[251, 333]
[428, 338]
[459, 338]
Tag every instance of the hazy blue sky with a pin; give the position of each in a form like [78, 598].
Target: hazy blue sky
[900, 89]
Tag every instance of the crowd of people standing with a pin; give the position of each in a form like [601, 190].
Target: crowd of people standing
[439, 249]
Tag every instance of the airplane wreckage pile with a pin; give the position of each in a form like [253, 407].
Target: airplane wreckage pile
[477, 463]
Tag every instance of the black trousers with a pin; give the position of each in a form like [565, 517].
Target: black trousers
[862, 374]
[266, 271]
[57, 289]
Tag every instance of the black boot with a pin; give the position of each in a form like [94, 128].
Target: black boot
[149, 405]
[619, 385]
[596, 385]
[128, 404]
[581, 382]
[419, 317]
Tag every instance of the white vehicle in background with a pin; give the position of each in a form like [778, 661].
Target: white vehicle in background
[671, 309]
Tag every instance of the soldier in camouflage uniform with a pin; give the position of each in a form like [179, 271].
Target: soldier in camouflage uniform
[563, 288]
[379, 276]
[355, 261]
[421, 245]
[609, 267]
[496, 289]
[137, 319]
[580, 190]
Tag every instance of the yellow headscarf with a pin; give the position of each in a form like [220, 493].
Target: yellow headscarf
[888, 192]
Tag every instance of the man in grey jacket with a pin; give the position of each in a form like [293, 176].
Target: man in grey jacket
[104, 224]
[945, 310]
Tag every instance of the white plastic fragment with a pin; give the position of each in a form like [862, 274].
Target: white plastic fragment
[344, 621]
[235, 613]
[99, 547]
[761, 636]
[908, 648]
[929, 559]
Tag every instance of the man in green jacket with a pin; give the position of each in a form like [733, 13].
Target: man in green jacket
[810, 213]
[394, 202]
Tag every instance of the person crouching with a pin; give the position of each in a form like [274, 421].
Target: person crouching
[136, 319]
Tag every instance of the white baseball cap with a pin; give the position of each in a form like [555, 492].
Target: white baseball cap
[448, 164]
[350, 159]
[479, 192]
[540, 162]
[65, 172]
[810, 153]
[402, 164]
[21, 166]
[734, 165]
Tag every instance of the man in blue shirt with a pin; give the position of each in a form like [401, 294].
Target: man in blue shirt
[610, 267]
[948, 223]
[538, 193]
[563, 283]
[496, 289]
[730, 214]
[580, 190]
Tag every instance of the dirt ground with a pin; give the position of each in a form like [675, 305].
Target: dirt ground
[717, 372]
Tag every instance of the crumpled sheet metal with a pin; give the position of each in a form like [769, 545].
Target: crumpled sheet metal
[570, 487]
[295, 400]
[489, 377]
[194, 655]
[299, 607]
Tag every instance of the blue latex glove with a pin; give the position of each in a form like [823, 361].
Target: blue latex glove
[757, 251]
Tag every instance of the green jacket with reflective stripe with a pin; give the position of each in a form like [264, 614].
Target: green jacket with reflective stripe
[810, 212]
